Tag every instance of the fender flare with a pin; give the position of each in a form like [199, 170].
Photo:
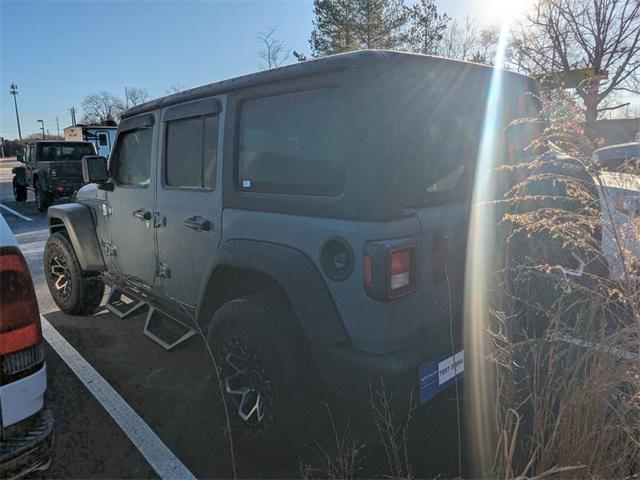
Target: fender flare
[20, 175]
[303, 284]
[80, 225]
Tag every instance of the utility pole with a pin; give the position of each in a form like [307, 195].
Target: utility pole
[42, 126]
[126, 97]
[13, 90]
[58, 125]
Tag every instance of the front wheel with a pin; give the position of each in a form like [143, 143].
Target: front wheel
[43, 199]
[73, 292]
[19, 191]
[265, 374]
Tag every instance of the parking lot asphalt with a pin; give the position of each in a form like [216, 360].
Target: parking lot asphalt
[173, 393]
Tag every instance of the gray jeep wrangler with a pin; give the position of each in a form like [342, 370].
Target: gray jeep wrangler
[52, 169]
[311, 220]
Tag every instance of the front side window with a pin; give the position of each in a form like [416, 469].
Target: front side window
[131, 159]
[190, 152]
[293, 144]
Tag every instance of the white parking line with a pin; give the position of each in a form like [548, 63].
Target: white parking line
[13, 212]
[163, 461]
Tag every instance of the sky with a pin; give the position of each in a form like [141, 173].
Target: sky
[57, 52]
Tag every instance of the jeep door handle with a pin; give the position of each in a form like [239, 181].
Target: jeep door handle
[142, 214]
[197, 223]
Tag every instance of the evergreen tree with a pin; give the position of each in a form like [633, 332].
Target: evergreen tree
[426, 27]
[334, 27]
[345, 25]
[381, 23]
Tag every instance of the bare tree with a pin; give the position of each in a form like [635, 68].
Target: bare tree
[469, 42]
[102, 107]
[275, 51]
[135, 96]
[603, 35]
[175, 88]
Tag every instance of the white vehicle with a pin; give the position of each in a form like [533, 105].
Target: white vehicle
[26, 426]
[102, 136]
[620, 200]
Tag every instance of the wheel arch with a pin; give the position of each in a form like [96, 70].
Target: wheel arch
[244, 267]
[78, 224]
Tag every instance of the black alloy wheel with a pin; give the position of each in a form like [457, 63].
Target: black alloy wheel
[60, 276]
[248, 387]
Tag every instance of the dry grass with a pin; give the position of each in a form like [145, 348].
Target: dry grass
[566, 346]
[339, 461]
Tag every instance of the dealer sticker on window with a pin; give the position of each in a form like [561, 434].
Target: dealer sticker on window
[438, 374]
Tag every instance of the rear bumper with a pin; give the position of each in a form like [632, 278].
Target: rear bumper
[27, 446]
[354, 374]
[62, 190]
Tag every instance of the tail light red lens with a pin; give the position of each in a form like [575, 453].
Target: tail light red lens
[19, 315]
[402, 270]
[367, 270]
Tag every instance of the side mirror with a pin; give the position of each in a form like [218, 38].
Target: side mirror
[20, 157]
[94, 169]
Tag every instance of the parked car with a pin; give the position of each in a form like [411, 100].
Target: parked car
[618, 183]
[311, 219]
[27, 425]
[53, 170]
[616, 157]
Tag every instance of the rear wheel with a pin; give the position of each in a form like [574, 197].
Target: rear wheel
[266, 375]
[43, 199]
[74, 292]
[19, 191]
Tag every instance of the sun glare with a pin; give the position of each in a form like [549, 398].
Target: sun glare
[507, 10]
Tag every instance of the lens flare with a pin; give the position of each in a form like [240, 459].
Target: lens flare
[479, 386]
[506, 10]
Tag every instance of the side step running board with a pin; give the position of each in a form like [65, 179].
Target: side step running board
[121, 304]
[166, 331]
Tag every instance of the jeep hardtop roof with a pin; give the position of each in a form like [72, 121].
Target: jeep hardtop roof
[310, 67]
[33, 142]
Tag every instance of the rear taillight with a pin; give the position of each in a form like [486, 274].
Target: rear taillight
[390, 269]
[403, 264]
[19, 314]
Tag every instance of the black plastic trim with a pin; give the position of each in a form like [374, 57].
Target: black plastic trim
[133, 123]
[199, 108]
[295, 272]
[80, 226]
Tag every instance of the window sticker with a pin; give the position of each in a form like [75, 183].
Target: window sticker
[246, 183]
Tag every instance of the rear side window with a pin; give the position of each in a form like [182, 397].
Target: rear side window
[190, 152]
[131, 159]
[64, 151]
[293, 144]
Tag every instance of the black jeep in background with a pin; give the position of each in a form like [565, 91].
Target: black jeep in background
[53, 169]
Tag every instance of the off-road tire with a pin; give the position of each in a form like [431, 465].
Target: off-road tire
[83, 294]
[265, 325]
[43, 199]
[19, 191]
